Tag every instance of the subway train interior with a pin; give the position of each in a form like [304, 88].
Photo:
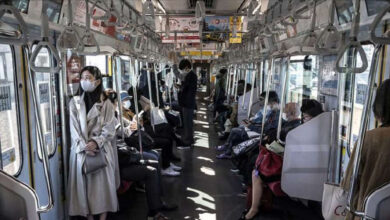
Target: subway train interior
[194, 109]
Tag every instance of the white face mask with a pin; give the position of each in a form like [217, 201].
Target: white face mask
[88, 86]
[284, 116]
[185, 71]
[126, 104]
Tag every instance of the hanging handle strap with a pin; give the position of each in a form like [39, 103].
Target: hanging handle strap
[14, 37]
[374, 25]
[69, 39]
[353, 43]
[88, 39]
[44, 43]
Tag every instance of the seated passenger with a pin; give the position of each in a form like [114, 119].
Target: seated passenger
[373, 170]
[148, 173]
[310, 109]
[92, 128]
[163, 137]
[240, 134]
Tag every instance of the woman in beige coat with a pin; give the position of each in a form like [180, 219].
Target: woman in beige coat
[374, 165]
[92, 127]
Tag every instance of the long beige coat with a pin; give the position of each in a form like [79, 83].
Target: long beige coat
[374, 168]
[93, 193]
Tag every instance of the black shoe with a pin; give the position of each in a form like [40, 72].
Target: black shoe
[168, 207]
[175, 158]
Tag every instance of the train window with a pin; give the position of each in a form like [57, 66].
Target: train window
[10, 150]
[374, 5]
[126, 77]
[22, 5]
[344, 11]
[100, 61]
[46, 105]
[303, 78]
[350, 124]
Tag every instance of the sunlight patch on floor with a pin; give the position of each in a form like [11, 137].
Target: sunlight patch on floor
[203, 199]
[201, 122]
[205, 159]
[202, 139]
[208, 171]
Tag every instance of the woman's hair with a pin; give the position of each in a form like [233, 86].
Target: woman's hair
[292, 109]
[311, 107]
[90, 98]
[97, 74]
[272, 97]
[381, 106]
[111, 95]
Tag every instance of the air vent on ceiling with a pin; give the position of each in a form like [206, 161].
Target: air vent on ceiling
[208, 3]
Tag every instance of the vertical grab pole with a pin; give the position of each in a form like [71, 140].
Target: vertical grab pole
[269, 77]
[253, 80]
[283, 101]
[156, 82]
[237, 75]
[135, 99]
[150, 93]
[363, 129]
[119, 88]
[45, 157]
[245, 87]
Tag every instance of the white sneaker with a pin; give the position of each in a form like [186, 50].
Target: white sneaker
[175, 167]
[184, 147]
[169, 172]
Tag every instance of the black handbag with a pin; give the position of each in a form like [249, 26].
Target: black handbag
[245, 146]
[127, 155]
[147, 140]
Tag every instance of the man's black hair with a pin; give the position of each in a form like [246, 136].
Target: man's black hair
[185, 64]
[381, 106]
[311, 107]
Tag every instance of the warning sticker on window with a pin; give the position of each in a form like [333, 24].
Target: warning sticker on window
[5, 98]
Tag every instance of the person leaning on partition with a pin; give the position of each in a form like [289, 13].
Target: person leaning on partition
[92, 128]
[375, 153]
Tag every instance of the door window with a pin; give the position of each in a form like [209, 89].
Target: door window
[10, 157]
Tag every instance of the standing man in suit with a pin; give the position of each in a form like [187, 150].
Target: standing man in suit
[187, 100]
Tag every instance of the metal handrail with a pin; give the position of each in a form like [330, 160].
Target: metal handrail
[45, 157]
[88, 39]
[363, 129]
[245, 87]
[132, 72]
[331, 33]
[283, 101]
[353, 43]
[69, 35]
[44, 43]
[118, 71]
[269, 77]
[156, 84]
[374, 25]
[21, 35]
[252, 92]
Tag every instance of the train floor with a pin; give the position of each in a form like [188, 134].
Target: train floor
[207, 188]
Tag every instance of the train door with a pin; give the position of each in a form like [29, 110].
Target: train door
[14, 142]
[46, 91]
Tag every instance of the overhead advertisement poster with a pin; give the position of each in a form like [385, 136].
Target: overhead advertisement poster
[220, 25]
[80, 16]
[187, 29]
[238, 27]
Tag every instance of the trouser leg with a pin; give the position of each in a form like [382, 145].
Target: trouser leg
[149, 175]
[188, 124]
[153, 155]
[166, 152]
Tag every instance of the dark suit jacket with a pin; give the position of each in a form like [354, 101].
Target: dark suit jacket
[188, 91]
